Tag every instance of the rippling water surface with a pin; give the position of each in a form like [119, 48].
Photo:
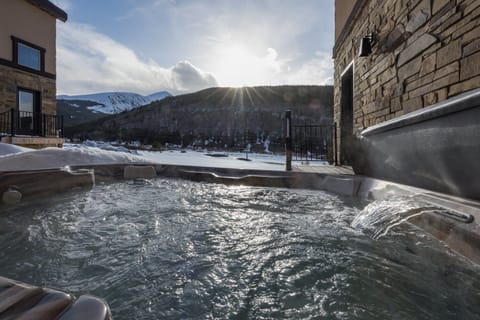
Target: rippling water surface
[175, 249]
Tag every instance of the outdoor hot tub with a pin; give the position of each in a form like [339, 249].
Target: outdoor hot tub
[177, 249]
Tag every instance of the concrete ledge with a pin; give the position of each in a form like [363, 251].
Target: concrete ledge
[337, 183]
[34, 142]
[143, 172]
[45, 182]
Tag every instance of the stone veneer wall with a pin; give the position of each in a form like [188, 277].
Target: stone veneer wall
[11, 79]
[425, 51]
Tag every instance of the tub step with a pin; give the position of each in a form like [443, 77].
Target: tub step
[23, 301]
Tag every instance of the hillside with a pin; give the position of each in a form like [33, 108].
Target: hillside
[76, 112]
[217, 116]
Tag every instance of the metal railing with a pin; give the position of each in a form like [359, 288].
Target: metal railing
[6, 120]
[14, 122]
[309, 142]
[313, 142]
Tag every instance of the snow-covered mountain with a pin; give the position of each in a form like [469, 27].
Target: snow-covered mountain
[116, 102]
[157, 96]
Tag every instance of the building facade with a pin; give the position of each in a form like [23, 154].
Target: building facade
[28, 72]
[415, 53]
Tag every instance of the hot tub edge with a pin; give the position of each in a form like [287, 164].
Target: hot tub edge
[36, 183]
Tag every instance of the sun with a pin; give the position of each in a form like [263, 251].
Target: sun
[235, 65]
[238, 65]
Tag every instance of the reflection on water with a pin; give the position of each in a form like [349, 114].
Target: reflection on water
[183, 250]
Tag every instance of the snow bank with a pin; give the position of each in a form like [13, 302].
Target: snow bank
[6, 149]
[55, 158]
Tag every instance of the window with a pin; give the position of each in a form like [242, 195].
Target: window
[28, 55]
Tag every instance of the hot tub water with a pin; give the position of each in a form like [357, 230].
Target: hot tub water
[176, 249]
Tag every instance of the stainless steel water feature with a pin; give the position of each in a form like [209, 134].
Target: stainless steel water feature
[435, 148]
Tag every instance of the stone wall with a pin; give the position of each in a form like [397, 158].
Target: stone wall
[11, 79]
[425, 51]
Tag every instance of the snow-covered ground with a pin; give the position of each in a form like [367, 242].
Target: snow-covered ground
[8, 149]
[18, 158]
[227, 160]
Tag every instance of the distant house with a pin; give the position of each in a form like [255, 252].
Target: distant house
[27, 73]
[415, 53]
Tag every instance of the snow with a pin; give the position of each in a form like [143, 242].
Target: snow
[101, 145]
[115, 102]
[158, 96]
[6, 149]
[97, 108]
[266, 145]
[50, 158]
[95, 153]
[226, 160]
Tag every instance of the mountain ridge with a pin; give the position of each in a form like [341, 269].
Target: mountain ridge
[224, 116]
[114, 102]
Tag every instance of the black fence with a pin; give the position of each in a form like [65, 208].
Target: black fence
[313, 143]
[309, 142]
[14, 122]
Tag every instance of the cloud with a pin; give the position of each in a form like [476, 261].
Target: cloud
[318, 71]
[238, 66]
[254, 42]
[88, 61]
[235, 41]
[187, 77]
[282, 24]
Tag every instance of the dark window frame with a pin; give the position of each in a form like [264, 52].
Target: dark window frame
[15, 42]
[36, 114]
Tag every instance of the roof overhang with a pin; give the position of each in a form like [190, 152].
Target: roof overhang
[50, 8]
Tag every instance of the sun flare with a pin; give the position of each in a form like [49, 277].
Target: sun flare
[238, 65]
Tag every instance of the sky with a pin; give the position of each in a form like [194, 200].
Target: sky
[146, 46]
